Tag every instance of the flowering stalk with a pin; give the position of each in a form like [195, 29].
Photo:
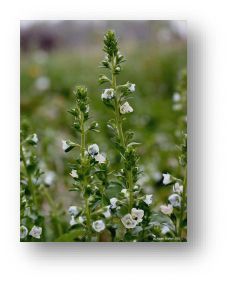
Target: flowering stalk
[115, 97]
[30, 185]
[84, 169]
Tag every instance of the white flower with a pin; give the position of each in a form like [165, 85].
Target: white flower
[72, 220]
[175, 200]
[126, 108]
[148, 199]
[177, 188]
[64, 145]
[49, 178]
[125, 192]
[128, 221]
[176, 97]
[137, 214]
[166, 209]
[35, 232]
[165, 229]
[81, 219]
[34, 138]
[42, 83]
[100, 158]
[113, 202]
[98, 225]
[108, 94]
[107, 212]
[73, 210]
[166, 179]
[93, 149]
[177, 107]
[74, 173]
[131, 87]
[23, 232]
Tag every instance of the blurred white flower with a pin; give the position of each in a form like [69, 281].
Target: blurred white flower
[126, 108]
[128, 221]
[93, 149]
[137, 214]
[34, 138]
[64, 145]
[72, 220]
[177, 107]
[175, 200]
[107, 212]
[36, 232]
[81, 219]
[100, 158]
[113, 202]
[177, 188]
[148, 199]
[108, 94]
[176, 97]
[98, 225]
[73, 210]
[23, 232]
[166, 209]
[49, 178]
[166, 179]
[165, 229]
[74, 173]
[42, 83]
[131, 87]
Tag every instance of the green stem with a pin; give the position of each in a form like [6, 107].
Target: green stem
[88, 220]
[130, 183]
[54, 211]
[82, 138]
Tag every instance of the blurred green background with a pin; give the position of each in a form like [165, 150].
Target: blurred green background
[57, 55]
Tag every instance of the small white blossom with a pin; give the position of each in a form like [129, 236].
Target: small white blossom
[148, 199]
[100, 158]
[128, 221]
[23, 232]
[74, 173]
[64, 145]
[93, 149]
[177, 188]
[166, 179]
[108, 94]
[73, 210]
[165, 229]
[126, 108]
[98, 225]
[166, 209]
[81, 219]
[107, 212]
[175, 200]
[176, 97]
[34, 138]
[72, 220]
[36, 232]
[49, 178]
[113, 202]
[42, 83]
[131, 87]
[137, 214]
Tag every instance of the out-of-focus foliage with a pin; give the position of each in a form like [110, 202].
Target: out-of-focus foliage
[154, 63]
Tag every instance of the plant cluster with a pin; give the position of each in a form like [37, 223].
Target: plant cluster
[114, 206]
